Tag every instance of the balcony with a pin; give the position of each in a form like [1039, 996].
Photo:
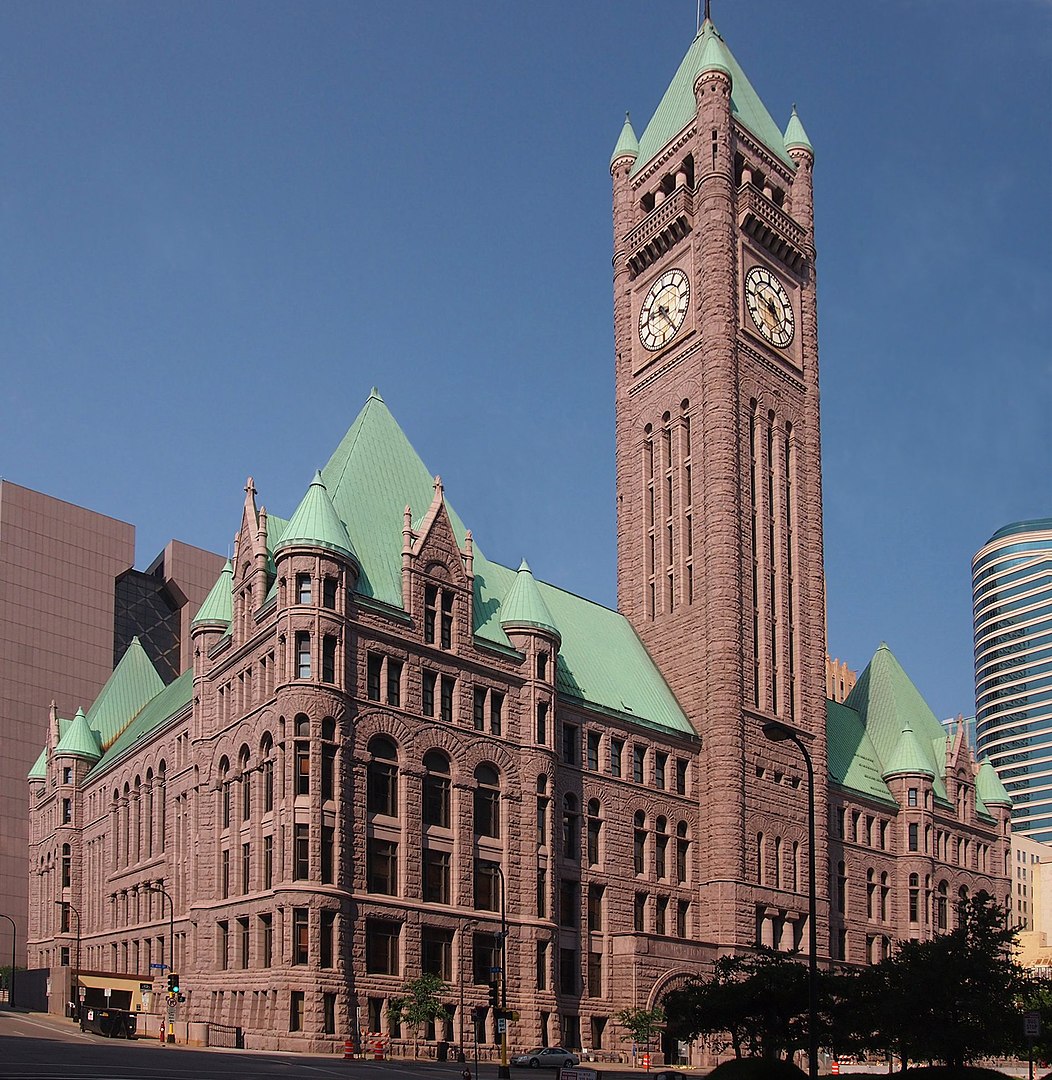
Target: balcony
[771, 227]
[663, 227]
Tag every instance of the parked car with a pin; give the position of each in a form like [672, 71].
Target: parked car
[547, 1057]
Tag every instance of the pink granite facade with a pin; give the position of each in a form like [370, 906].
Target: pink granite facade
[335, 806]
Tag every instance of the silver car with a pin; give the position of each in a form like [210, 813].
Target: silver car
[547, 1057]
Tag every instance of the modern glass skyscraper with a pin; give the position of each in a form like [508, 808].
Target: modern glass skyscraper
[1012, 594]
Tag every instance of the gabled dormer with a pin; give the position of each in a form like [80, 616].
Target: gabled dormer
[438, 576]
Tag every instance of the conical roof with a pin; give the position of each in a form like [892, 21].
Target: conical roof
[218, 606]
[908, 755]
[79, 740]
[989, 788]
[316, 524]
[133, 683]
[627, 143]
[795, 136]
[38, 770]
[678, 107]
[524, 606]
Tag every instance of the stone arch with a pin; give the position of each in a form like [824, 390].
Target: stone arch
[674, 979]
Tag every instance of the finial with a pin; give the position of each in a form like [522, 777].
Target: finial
[708, 10]
[438, 485]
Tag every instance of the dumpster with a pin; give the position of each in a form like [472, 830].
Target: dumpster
[113, 1023]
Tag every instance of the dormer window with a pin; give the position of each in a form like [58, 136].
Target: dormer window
[303, 589]
[438, 602]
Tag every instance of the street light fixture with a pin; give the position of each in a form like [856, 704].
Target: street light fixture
[171, 950]
[11, 984]
[776, 731]
[503, 1071]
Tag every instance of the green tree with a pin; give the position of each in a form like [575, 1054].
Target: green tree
[755, 1003]
[953, 999]
[642, 1025]
[418, 1004]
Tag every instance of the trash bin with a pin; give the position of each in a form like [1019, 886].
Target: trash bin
[442, 1051]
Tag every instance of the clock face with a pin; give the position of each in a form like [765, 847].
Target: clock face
[664, 309]
[770, 306]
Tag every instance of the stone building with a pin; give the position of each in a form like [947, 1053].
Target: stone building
[387, 738]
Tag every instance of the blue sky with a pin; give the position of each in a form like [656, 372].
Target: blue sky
[221, 224]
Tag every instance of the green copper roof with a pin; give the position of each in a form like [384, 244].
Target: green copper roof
[795, 136]
[678, 107]
[375, 473]
[989, 788]
[79, 740]
[524, 605]
[316, 523]
[886, 701]
[133, 683]
[38, 771]
[172, 699]
[627, 143]
[853, 763]
[218, 606]
[908, 755]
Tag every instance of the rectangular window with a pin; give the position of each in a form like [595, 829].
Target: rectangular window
[300, 936]
[328, 659]
[428, 704]
[394, 682]
[302, 768]
[266, 940]
[568, 971]
[302, 654]
[593, 750]
[661, 915]
[246, 868]
[303, 591]
[382, 870]
[328, 1013]
[223, 945]
[381, 946]
[571, 735]
[436, 952]
[296, 1007]
[496, 712]
[595, 974]
[246, 796]
[436, 876]
[542, 723]
[914, 836]
[242, 942]
[328, 772]
[485, 950]
[595, 907]
[301, 851]
[224, 874]
[447, 619]
[329, 587]
[660, 761]
[487, 886]
[569, 904]
[541, 978]
[328, 936]
[617, 748]
[67, 811]
[682, 919]
[542, 892]
[681, 776]
[479, 709]
[268, 786]
[430, 613]
[639, 912]
[911, 797]
[328, 847]
[595, 828]
[268, 862]
[639, 758]
[448, 682]
[382, 788]
[374, 672]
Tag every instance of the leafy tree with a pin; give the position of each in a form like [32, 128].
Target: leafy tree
[418, 1004]
[755, 1003]
[952, 999]
[641, 1024]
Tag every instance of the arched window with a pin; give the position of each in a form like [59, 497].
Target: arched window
[436, 789]
[487, 801]
[778, 863]
[796, 867]
[149, 824]
[542, 811]
[595, 829]
[382, 777]
[266, 750]
[941, 901]
[885, 892]
[871, 889]
[661, 849]
[301, 749]
[761, 859]
[914, 894]
[246, 783]
[224, 793]
[639, 843]
[67, 866]
[682, 852]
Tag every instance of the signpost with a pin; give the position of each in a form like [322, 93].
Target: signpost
[1031, 1029]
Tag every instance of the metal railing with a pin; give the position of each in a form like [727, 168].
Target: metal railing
[226, 1036]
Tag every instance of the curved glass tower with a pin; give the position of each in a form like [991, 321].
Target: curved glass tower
[1012, 595]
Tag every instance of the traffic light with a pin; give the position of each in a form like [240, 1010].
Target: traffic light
[494, 994]
[173, 983]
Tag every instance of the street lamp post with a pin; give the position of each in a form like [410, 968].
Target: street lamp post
[470, 924]
[503, 1072]
[171, 952]
[11, 984]
[76, 970]
[779, 732]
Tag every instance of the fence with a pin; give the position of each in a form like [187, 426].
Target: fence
[224, 1035]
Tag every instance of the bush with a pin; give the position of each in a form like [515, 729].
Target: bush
[757, 1069]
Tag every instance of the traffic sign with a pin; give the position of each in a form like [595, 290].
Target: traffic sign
[1032, 1024]
[163, 967]
[502, 1026]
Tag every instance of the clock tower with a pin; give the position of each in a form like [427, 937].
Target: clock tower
[718, 472]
